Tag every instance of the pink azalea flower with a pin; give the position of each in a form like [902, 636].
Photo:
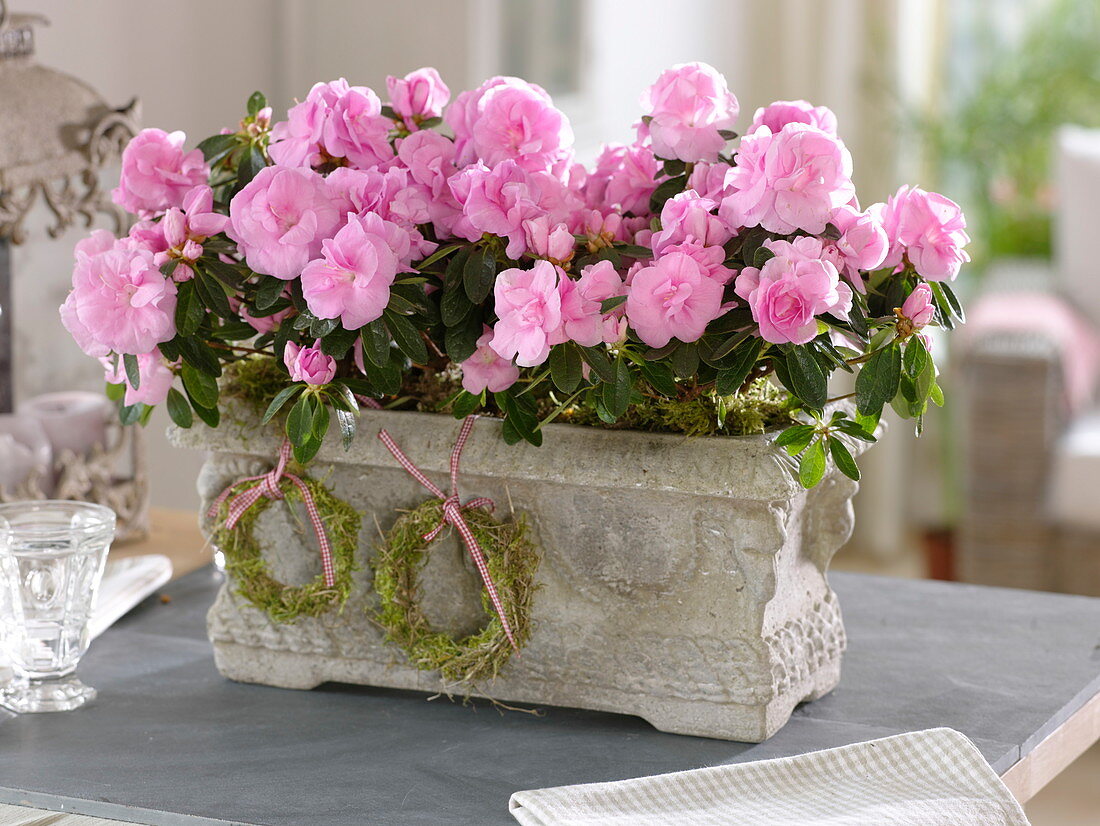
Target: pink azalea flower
[509, 118]
[280, 218]
[500, 199]
[184, 231]
[711, 259]
[919, 307]
[672, 298]
[352, 280]
[548, 240]
[486, 370]
[155, 376]
[689, 104]
[157, 173]
[927, 228]
[862, 244]
[119, 303]
[418, 96]
[309, 364]
[688, 218]
[794, 287]
[777, 115]
[624, 178]
[789, 180]
[429, 158]
[337, 122]
[582, 318]
[713, 181]
[528, 305]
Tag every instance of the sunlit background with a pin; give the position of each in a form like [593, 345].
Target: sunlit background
[969, 97]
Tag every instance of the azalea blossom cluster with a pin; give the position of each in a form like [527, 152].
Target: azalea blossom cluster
[357, 241]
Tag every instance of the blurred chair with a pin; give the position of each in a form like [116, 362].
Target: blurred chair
[1030, 362]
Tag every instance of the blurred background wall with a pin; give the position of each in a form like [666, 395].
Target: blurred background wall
[891, 69]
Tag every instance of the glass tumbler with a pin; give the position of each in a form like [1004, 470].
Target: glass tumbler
[51, 561]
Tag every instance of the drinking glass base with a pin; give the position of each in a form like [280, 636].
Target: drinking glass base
[30, 696]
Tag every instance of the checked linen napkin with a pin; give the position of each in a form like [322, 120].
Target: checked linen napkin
[925, 778]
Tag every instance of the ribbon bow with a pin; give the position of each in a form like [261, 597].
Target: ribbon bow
[267, 487]
[452, 512]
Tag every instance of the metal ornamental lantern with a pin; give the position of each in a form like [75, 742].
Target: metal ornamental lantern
[56, 135]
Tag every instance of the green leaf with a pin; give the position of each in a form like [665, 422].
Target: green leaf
[211, 416]
[269, 291]
[666, 190]
[609, 304]
[189, 309]
[812, 467]
[115, 392]
[408, 338]
[256, 102]
[936, 395]
[212, 295]
[599, 362]
[809, 380]
[201, 387]
[199, 354]
[916, 356]
[130, 414]
[348, 423]
[566, 367]
[519, 421]
[842, 458]
[855, 430]
[133, 372]
[281, 398]
[730, 379]
[252, 161]
[762, 256]
[616, 393]
[338, 342]
[479, 275]
[877, 383]
[460, 341]
[376, 343]
[466, 403]
[178, 409]
[685, 361]
[304, 453]
[660, 378]
[947, 299]
[321, 418]
[454, 306]
[796, 438]
[386, 379]
[299, 424]
[217, 147]
[438, 255]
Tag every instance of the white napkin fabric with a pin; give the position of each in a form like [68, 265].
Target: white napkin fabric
[931, 778]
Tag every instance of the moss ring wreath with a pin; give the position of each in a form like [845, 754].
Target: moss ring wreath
[244, 560]
[512, 561]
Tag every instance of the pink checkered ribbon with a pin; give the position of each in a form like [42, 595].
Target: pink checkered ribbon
[267, 487]
[452, 512]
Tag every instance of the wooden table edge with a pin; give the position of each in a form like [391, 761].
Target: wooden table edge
[1055, 752]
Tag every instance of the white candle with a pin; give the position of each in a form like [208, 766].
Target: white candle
[24, 451]
[73, 420]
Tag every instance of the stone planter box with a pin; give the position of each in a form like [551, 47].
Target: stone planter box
[682, 580]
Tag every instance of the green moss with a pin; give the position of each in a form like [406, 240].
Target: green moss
[763, 406]
[245, 564]
[254, 380]
[512, 561]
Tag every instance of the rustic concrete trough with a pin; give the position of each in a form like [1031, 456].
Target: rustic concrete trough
[682, 580]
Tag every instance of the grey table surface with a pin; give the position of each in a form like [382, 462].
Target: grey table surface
[169, 741]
